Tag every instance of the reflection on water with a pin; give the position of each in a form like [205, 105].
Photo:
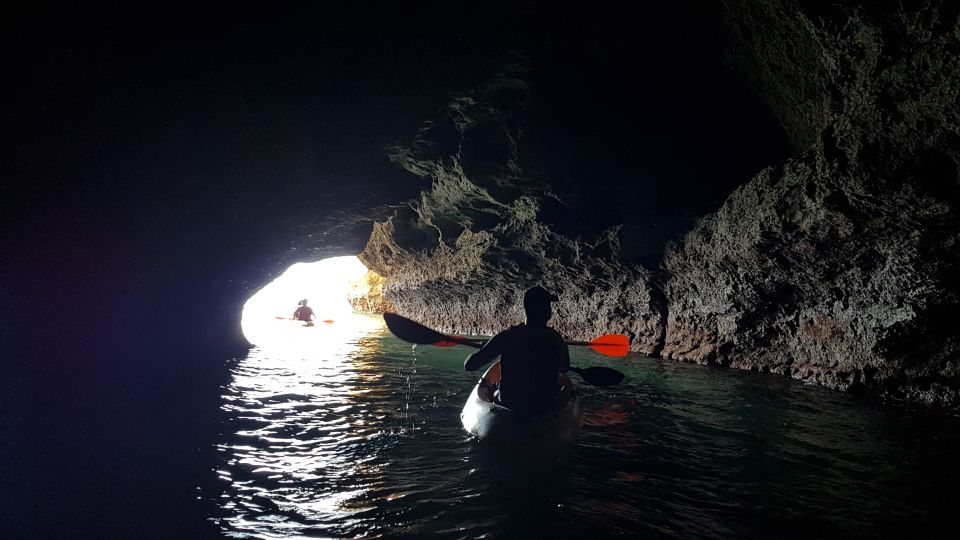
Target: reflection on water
[302, 431]
[348, 432]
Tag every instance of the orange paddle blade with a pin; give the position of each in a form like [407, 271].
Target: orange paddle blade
[328, 321]
[611, 345]
[452, 342]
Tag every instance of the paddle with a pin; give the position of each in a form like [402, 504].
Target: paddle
[415, 332]
[328, 321]
[599, 376]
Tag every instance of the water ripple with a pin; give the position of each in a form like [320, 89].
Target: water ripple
[361, 438]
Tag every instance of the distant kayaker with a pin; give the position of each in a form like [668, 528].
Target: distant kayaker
[532, 355]
[303, 312]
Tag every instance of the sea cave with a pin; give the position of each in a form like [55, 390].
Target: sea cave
[761, 195]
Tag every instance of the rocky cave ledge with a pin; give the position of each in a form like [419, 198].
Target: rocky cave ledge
[837, 267]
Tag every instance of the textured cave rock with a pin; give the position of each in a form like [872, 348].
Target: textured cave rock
[839, 267]
[366, 295]
[460, 257]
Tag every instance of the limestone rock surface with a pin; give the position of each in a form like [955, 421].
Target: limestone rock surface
[837, 267]
[840, 266]
[459, 257]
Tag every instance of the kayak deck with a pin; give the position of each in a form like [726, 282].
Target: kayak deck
[496, 425]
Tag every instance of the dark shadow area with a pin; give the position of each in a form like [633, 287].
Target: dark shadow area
[161, 165]
[640, 120]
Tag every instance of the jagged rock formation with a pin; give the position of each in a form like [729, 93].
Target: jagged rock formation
[460, 257]
[366, 295]
[838, 267]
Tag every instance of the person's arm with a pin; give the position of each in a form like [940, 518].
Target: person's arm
[490, 351]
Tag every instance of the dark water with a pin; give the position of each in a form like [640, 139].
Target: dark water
[355, 434]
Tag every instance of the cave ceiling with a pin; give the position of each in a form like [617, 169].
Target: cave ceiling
[271, 131]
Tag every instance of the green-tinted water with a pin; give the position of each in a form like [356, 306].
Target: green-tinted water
[351, 432]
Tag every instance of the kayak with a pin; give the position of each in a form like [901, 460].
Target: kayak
[543, 434]
[306, 323]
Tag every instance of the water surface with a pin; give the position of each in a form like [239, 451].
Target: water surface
[348, 432]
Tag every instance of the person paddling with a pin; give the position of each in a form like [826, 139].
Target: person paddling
[532, 355]
[303, 313]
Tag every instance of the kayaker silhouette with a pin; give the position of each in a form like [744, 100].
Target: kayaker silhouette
[303, 312]
[532, 355]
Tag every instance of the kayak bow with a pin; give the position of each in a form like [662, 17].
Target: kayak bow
[546, 434]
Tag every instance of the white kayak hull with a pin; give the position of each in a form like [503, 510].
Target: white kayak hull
[496, 425]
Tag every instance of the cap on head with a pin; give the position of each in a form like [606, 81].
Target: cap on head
[538, 297]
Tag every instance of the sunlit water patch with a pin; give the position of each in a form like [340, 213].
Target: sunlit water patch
[353, 433]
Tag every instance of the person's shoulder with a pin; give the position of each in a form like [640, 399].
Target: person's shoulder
[511, 332]
[504, 333]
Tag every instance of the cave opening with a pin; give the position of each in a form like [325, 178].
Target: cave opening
[331, 288]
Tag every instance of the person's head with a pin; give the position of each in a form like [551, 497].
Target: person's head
[303, 302]
[536, 304]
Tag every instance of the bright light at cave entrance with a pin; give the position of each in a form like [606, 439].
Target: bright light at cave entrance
[325, 284]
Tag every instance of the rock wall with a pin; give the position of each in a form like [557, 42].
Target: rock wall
[824, 278]
[366, 295]
[460, 257]
[839, 267]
